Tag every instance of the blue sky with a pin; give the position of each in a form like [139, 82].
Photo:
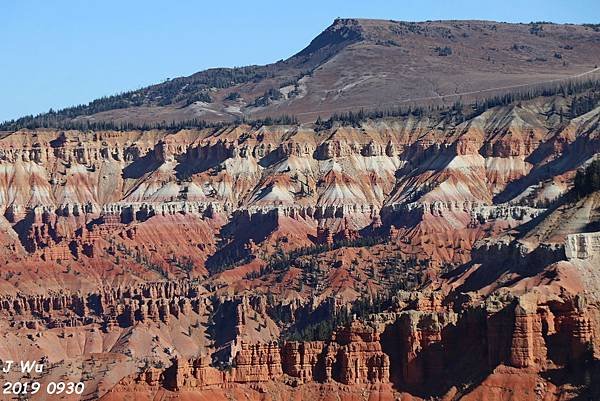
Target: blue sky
[60, 53]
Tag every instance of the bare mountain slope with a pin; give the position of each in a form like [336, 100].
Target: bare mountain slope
[360, 63]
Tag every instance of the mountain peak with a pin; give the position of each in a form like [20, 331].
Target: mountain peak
[359, 64]
[339, 34]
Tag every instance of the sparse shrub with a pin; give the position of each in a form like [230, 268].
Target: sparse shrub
[267, 98]
[536, 29]
[233, 96]
[595, 27]
[199, 97]
[444, 51]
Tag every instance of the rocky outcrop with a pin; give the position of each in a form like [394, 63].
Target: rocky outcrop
[153, 302]
[183, 374]
[353, 356]
[416, 333]
[574, 334]
[256, 363]
[429, 350]
[583, 246]
[359, 358]
[424, 352]
[253, 363]
[303, 360]
[528, 347]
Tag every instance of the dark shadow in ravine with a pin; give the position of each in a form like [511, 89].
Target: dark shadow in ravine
[577, 153]
[458, 360]
[141, 167]
[241, 228]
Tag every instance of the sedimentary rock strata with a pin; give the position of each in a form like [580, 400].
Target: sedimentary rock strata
[397, 257]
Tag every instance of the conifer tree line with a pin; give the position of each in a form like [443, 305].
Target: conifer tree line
[195, 123]
[185, 89]
[584, 96]
[588, 90]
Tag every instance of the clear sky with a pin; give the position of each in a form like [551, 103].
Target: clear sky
[57, 53]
